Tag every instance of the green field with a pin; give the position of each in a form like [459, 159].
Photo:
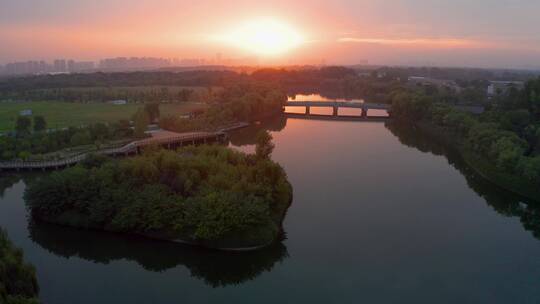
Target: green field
[63, 114]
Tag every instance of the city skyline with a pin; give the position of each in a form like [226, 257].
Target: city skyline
[62, 65]
[486, 34]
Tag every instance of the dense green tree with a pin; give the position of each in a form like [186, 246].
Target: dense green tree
[529, 167]
[152, 110]
[22, 126]
[532, 97]
[40, 124]
[141, 121]
[81, 138]
[411, 106]
[506, 152]
[459, 121]
[516, 120]
[264, 146]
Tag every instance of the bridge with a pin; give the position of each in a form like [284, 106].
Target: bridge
[335, 105]
[165, 139]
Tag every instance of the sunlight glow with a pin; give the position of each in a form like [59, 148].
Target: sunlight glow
[419, 42]
[266, 37]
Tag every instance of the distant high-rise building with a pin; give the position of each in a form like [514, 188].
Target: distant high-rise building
[60, 66]
[42, 67]
[190, 62]
[71, 66]
[28, 67]
[80, 66]
[84, 66]
[133, 63]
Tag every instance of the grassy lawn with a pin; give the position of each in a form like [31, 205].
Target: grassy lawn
[63, 114]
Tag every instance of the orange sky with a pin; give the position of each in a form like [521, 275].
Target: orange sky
[417, 32]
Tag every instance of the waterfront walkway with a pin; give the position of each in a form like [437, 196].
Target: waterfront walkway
[165, 139]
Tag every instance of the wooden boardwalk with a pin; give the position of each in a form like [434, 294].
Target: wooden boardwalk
[166, 139]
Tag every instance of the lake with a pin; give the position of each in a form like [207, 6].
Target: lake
[381, 214]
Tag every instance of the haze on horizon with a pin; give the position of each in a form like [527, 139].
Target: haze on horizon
[480, 33]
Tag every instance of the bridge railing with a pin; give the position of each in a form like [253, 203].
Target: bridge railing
[381, 106]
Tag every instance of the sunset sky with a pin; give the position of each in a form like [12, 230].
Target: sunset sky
[483, 33]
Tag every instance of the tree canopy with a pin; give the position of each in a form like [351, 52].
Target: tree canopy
[264, 146]
[40, 124]
[22, 126]
[210, 195]
[246, 102]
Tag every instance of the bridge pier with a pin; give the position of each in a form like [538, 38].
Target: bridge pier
[308, 110]
[335, 111]
[364, 112]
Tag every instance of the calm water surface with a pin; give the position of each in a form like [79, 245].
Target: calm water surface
[380, 215]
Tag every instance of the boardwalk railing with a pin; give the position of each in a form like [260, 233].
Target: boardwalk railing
[130, 148]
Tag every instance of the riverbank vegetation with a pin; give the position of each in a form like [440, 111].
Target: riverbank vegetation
[210, 195]
[241, 102]
[18, 283]
[502, 144]
[61, 143]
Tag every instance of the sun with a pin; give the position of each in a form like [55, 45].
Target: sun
[268, 37]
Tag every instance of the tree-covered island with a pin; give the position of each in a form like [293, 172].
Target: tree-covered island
[210, 196]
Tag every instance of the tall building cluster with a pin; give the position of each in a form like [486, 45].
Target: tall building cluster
[124, 63]
[110, 64]
[42, 67]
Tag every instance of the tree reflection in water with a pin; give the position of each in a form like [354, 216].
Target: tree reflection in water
[504, 202]
[248, 135]
[215, 268]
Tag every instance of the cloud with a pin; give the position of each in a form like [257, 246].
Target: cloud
[417, 42]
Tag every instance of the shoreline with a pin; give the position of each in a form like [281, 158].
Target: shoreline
[509, 182]
[158, 237]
